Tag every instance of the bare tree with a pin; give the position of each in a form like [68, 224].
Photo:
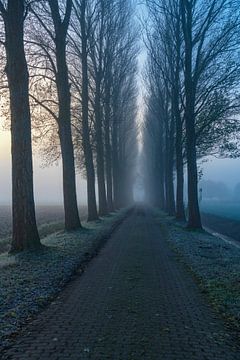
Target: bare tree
[189, 43]
[81, 28]
[218, 21]
[124, 130]
[55, 23]
[97, 58]
[160, 73]
[25, 234]
[119, 41]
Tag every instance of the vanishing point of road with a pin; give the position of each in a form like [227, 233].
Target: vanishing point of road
[134, 301]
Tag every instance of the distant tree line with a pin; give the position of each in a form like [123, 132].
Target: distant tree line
[192, 96]
[215, 190]
[219, 190]
[69, 72]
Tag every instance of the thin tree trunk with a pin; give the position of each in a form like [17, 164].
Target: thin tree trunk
[159, 176]
[194, 219]
[103, 210]
[72, 220]
[25, 233]
[108, 150]
[180, 211]
[164, 177]
[122, 181]
[91, 193]
[115, 164]
[169, 177]
[169, 186]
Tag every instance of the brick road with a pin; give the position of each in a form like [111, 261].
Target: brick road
[135, 301]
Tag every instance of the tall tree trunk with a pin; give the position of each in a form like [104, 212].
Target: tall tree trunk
[194, 219]
[160, 175]
[72, 220]
[180, 211]
[25, 233]
[122, 181]
[103, 210]
[170, 162]
[108, 150]
[169, 186]
[88, 155]
[115, 164]
[165, 198]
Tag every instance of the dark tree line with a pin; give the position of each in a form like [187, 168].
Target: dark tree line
[71, 70]
[69, 83]
[192, 96]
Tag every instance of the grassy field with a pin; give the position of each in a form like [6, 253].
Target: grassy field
[50, 219]
[227, 209]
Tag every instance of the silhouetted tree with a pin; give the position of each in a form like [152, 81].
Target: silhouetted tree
[25, 234]
[210, 31]
[81, 25]
[58, 15]
[189, 43]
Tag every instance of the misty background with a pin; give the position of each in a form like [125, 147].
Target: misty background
[219, 179]
[47, 180]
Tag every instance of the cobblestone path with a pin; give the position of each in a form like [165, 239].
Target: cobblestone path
[135, 301]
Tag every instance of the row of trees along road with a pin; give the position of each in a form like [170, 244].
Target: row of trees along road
[68, 70]
[192, 96]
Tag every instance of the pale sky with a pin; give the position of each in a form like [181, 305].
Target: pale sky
[47, 181]
[225, 170]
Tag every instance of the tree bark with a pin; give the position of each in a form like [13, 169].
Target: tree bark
[169, 154]
[72, 220]
[103, 210]
[91, 193]
[159, 200]
[180, 211]
[25, 233]
[171, 200]
[108, 150]
[115, 164]
[194, 219]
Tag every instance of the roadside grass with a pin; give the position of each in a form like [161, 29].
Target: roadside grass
[29, 281]
[44, 230]
[50, 219]
[214, 263]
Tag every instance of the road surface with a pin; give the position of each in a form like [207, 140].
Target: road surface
[134, 301]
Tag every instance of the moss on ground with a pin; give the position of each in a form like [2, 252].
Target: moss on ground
[214, 264]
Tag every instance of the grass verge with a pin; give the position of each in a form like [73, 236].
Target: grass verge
[214, 263]
[29, 281]
[44, 230]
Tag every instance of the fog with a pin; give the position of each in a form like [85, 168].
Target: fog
[223, 170]
[47, 180]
